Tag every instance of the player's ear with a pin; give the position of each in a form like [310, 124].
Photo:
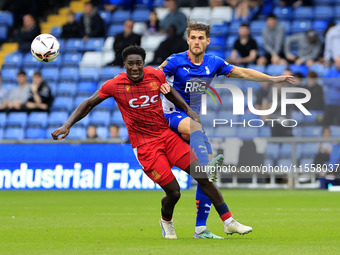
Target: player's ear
[208, 40]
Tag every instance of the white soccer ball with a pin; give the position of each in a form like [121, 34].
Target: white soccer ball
[45, 48]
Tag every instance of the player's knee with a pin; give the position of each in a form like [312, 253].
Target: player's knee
[175, 195]
[195, 126]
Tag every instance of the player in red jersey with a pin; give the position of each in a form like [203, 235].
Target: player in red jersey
[137, 93]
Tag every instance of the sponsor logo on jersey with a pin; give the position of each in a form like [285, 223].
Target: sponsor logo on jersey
[154, 85]
[207, 71]
[186, 69]
[155, 175]
[127, 88]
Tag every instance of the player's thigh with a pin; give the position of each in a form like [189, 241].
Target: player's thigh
[160, 171]
[188, 125]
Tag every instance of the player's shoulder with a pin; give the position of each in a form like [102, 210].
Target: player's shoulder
[117, 79]
[178, 57]
[213, 59]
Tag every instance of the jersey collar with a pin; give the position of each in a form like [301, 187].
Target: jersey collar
[188, 54]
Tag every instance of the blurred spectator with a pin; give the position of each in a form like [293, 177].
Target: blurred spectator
[18, 95]
[40, 96]
[112, 5]
[27, 33]
[324, 149]
[309, 47]
[91, 132]
[245, 48]
[298, 79]
[114, 131]
[72, 28]
[316, 101]
[273, 37]
[153, 23]
[174, 17]
[332, 109]
[262, 96]
[247, 10]
[332, 42]
[124, 40]
[3, 92]
[295, 3]
[172, 44]
[91, 24]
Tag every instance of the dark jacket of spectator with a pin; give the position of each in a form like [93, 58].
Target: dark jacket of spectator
[27, 33]
[91, 24]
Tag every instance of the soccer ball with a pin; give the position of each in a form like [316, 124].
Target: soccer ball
[45, 48]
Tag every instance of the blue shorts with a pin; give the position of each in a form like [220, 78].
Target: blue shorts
[173, 119]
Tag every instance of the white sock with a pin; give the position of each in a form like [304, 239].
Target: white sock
[200, 229]
[227, 221]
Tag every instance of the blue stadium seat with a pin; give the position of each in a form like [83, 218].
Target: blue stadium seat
[120, 16]
[335, 131]
[314, 117]
[117, 118]
[17, 119]
[303, 12]
[259, 68]
[53, 87]
[56, 62]
[106, 105]
[309, 149]
[140, 15]
[84, 122]
[257, 26]
[86, 88]
[306, 160]
[299, 26]
[6, 18]
[217, 43]
[74, 45]
[30, 61]
[78, 100]
[14, 133]
[3, 32]
[337, 11]
[275, 69]
[115, 29]
[219, 30]
[123, 132]
[103, 132]
[67, 89]
[265, 132]
[233, 27]
[224, 132]
[298, 116]
[247, 133]
[1, 133]
[69, 74]
[3, 118]
[285, 150]
[158, 3]
[35, 133]
[312, 131]
[89, 74]
[37, 120]
[219, 53]
[323, 12]
[297, 131]
[272, 151]
[50, 73]
[62, 104]
[100, 118]
[287, 162]
[9, 86]
[287, 26]
[14, 59]
[71, 59]
[94, 44]
[108, 72]
[106, 16]
[283, 13]
[299, 69]
[57, 118]
[320, 69]
[320, 25]
[230, 42]
[56, 31]
[77, 133]
[323, 2]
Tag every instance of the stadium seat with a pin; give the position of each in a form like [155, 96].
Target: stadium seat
[13, 60]
[158, 3]
[299, 69]
[50, 73]
[283, 13]
[337, 11]
[66, 89]
[3, 118]
[285, 162]
[1, 133]
[57, 118]
[57, 61]
[297, 131]
[3, 32]
[115, 29]
[287, 26]
[100, 118]
[323, 2]
[106, 16]
[323, 12]
[257, 26]
[30, 61]
[120, 16]
[221, 14]
[6, 18]
[91, 59]
[108, 44]
[123, 133]
[108, 72]
[309, 149]
[247, 133]
[86, 88]
[106, 105]
[320, 25]
[14, 133]
[259, 68]
[151, 42]
[272, 151]
[335, 131]
[78, 100]
[285, 150]
[37, 120]
[103, 132]
[69, 74]
[303, 12]
[230, 41]
[71, 59]
[16, 119]
[89, 74]
[56, 31]
[306, 160]
[265, 132]
[62, 104]
[117, 118]
[185, 10]
[320, 69]
[300, 26]
[200, 14]
[94, 44]
[312, 131]
[8, 85]
[275, 69]
[140, 15]
[77, 133]
[233, 27]
[84, 122]
[35, 133]
[298, 116]
[219, 30]
[74, 45]
[224, 132]
[219, 53]
[161, 12]
[108, 57]
[217, 43]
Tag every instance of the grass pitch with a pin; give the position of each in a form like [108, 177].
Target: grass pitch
[126, 222]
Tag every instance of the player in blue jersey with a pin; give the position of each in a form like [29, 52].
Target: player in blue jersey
[182, 71]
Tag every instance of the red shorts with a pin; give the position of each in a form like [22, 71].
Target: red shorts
[159, 156]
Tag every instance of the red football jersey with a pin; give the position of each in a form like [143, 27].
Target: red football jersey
[140, 104]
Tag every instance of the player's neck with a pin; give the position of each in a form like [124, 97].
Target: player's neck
[196, 59]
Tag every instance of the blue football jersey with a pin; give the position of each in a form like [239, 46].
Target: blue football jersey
[188, 78]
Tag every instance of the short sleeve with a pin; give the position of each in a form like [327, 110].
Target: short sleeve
[224, 68]
[169, 66]
[106, 89]
[160, 75]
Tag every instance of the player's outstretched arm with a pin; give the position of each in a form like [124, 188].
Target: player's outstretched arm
[82, 110]
[253, 75]
[172, 95]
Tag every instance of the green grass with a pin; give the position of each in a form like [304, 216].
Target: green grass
[126, 222]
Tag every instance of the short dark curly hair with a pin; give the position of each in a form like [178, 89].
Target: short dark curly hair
[133, 49]
[194, 25]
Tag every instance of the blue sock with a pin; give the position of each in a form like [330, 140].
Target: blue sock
[203, 205]
[198, 145]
